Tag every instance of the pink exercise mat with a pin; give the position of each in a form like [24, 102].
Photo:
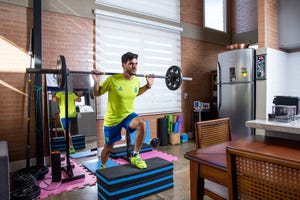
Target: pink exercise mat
[53, 188]
[149, 154]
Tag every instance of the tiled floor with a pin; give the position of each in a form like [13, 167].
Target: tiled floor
[181, 190]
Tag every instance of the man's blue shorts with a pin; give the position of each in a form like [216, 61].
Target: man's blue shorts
[112, 134]
[63, 122]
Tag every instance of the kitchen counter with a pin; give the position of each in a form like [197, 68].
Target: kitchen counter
[290, 130]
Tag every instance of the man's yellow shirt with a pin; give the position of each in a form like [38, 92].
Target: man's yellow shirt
[121, 95]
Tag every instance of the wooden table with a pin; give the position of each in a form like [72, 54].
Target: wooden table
[210, 163]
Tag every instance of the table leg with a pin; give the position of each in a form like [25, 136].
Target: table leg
[196, 182]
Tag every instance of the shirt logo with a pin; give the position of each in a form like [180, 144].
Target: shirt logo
[106, 139]
[120, 88]
[135, 90]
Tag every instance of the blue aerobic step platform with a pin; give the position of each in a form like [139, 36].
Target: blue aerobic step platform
[129, 182]
[118, 152]
[59, 143]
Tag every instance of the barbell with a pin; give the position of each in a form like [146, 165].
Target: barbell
[173, 77]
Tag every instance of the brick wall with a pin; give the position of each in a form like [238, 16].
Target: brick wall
[199, 58]
[191, 12]
[61, 34]
[15, 26]
[243, 16]
[268, 23]
[13, 115]
[69, 36]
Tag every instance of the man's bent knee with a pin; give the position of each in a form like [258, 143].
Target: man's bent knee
[141, 124]
[138, 123]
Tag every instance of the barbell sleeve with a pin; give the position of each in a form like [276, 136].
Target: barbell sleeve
[187, 78]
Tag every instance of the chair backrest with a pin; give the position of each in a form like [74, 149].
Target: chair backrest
[212, 132]
[256, 176]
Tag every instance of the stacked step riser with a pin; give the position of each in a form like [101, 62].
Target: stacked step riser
[129, 182]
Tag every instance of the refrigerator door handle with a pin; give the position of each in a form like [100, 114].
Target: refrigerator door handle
[219, 87]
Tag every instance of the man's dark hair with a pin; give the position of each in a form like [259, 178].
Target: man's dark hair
[128, 56]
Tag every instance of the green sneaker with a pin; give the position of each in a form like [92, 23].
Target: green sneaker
[103, 166]
[137, 161]
[72, 151]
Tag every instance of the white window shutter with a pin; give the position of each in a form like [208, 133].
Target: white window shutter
[158, 46]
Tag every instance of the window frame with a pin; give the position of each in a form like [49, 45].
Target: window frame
[225, 22]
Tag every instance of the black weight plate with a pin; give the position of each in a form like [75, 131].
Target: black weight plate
[62, 68]
[173, 77]
[36, 171]
[21, 179]
[26, 193]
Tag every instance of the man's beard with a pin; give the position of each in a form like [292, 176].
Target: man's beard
[131, 72]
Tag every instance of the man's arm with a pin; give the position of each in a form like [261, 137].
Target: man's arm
[143, 89]
[149, 84]
[96, 88]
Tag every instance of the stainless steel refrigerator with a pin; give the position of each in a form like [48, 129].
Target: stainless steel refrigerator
[236, 89]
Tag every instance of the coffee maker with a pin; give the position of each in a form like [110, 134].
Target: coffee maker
[285, 108]
[288, 101]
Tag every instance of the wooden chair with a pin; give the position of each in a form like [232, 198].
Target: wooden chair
[209, 133]
[212, 132]
[256, 176]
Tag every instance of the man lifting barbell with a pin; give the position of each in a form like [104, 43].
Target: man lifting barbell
[122, 90]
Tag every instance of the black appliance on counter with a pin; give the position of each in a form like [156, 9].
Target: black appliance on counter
[288, 101]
